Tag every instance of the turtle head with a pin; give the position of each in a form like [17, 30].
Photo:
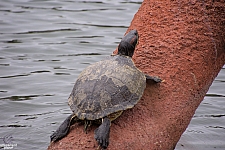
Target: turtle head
[128, 43]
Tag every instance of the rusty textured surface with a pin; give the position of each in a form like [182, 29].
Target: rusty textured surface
[182, 42]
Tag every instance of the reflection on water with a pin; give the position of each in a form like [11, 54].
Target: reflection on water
[44, 47]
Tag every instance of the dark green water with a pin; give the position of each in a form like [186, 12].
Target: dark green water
[44, 45]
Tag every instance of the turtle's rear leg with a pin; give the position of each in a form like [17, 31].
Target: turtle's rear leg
[87, 124]
[102, 133]
[151, 78]
[63, 129]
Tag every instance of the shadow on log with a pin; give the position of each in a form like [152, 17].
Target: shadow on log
[182, 42]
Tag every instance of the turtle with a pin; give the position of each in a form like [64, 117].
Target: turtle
[104, 90]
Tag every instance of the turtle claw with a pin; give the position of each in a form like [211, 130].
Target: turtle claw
[154, 79]
[103, 140]
[63, 129]
[55, 137]
[61, 132]
[102, 133]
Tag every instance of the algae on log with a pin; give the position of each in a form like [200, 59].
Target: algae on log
[182, 42]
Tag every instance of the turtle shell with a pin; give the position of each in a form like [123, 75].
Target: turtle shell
[106, 87]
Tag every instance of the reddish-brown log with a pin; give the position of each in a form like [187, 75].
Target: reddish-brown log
[182, 42]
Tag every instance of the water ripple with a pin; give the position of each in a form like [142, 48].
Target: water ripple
[13, 76]
[38, 114]
[97, 2]
[59, 67]
[214, 95]
[216, 127]
[93, 36]
[22, 98]
[97, 25]
[14, 126]
[13, 41]
[67, 10]
[27, 74]
[209, 116]
[4, 64]
[12, 11]
[81, 54]
[59, 73]
[47, 31]
[40, 71]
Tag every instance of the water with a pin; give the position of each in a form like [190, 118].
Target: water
[46, 44]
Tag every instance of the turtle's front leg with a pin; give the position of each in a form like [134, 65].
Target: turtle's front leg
[102, 133]
[155, 79]
[63, 129]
